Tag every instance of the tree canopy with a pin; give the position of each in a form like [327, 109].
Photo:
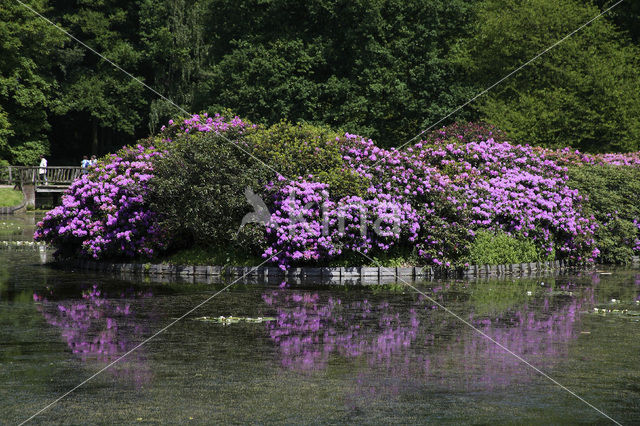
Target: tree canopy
[28, 50]
[383, 68]
[582, 93]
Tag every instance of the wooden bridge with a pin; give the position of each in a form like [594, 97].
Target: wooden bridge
[27, 178]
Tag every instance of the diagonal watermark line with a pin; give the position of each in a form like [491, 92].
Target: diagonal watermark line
[563, 39]
[145, 85]
[162, 330]
[491, 339]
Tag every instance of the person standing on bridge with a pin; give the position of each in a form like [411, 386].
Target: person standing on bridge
[85, 164]
[42, 171]
[93, 161]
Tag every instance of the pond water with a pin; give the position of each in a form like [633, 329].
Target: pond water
[315, 355]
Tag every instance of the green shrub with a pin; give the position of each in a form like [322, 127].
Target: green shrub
[199, 184]
[199, 187]
[615, 239]
[220, 256]
[583, 94]
[498, 249]
[304, 149]
[396, 257]
[612, 194]
[4, 171]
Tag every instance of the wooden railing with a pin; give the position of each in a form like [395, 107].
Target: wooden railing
[29, 175]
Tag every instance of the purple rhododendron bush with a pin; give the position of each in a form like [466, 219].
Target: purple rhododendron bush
[104, 213]
[330, 197]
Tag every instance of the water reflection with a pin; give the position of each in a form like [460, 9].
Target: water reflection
[100, 329]
[334, 354]
[416, 342]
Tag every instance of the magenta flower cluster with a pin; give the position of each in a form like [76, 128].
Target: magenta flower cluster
[307, 225]
[204, 123]
[105, 213]
[569, 156]
[428, 199]
[431, 198]
[515, 189]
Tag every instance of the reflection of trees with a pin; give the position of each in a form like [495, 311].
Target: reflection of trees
[4, 278]
[417, 341]
[97, 328]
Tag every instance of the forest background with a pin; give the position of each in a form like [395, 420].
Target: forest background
[385, 69]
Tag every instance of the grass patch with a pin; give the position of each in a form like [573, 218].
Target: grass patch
[234, 257]
[10, 197]
[211, 256]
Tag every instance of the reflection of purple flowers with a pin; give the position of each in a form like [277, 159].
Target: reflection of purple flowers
[419, 340]
[100, 329]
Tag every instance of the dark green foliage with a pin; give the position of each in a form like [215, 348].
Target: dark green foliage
[95, 97]
[376, 68]
[174, 46]
[615, 240]
[626, 15]
[381, 68]
[27, 87]
[612, 193]
[218, 255]
[200, 185]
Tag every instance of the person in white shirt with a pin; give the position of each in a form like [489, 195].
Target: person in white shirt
[85, 164]
[42, 171]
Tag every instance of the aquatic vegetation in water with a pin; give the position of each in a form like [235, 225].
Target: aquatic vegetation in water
[620, 308]
[617, 312]
[234, 320]
[18, 244]
[9, 229]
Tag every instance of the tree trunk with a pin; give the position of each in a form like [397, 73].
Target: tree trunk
[94, 142]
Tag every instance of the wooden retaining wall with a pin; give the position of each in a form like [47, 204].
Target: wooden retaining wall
[327, 275]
